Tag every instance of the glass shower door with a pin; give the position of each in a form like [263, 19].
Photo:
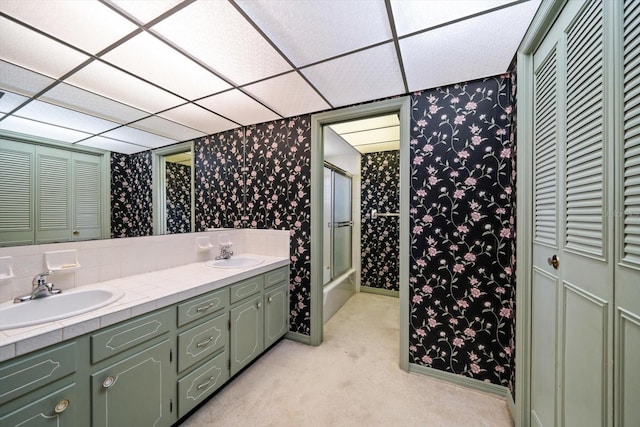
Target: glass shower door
[342, 225]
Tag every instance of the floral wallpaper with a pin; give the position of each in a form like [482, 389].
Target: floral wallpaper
[462, 230]
[269, 188]
[380, 239]
[178, 195]
[131, 195]
[219, 160]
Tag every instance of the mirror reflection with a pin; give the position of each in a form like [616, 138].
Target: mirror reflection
[177, 192]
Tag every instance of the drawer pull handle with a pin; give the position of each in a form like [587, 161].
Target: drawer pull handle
[108, 382]
[205, 342]
[204, 307]
[61, 406]
[206, 383]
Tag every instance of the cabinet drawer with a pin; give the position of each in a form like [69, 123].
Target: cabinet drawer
[246, 288]
[201, 306]
[129, 334]
[199, 384]
[202, 341]
[28, 374]
[42, 412]
[275, 277]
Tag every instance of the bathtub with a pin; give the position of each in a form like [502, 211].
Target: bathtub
[336, 293]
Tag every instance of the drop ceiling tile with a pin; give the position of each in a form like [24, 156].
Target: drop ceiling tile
[9, 101]
[480, 50]
[165, 67]
[167, 128]
[363, 76]
[72, 97]
[412, 16]
[38, 53]
[309, 31]
[89, 25]
[58, 116]
[109, 144]
[22, 81]
[372, 136]
[300, 97]
[139, 137]
[146, 11]
[376, 148]
[216, 33]
[238, 107]
[198, 118]
[42, 130]
[105, 80]
[366, 124]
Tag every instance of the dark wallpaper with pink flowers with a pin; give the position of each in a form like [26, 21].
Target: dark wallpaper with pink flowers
[462, 230]
[380, 236]
[462, 205]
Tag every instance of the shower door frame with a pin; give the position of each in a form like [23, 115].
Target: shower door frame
[402, 107]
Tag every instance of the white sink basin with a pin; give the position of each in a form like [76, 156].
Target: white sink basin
[56, 307]
[240, 261]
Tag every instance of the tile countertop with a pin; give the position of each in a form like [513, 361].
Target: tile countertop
[143, 293]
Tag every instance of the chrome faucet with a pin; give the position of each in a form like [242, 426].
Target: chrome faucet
[225, 251]
[40, 288]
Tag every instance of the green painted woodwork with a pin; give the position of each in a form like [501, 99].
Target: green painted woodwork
[276, 313]
[116, 339]
[41, 412]
[134, 391]
[246, 288]
[199, 307]
[196, 386]
[247, 333]
[163, 363]
[202, 341]
[35, 371]
[51, 193]
[276, 277]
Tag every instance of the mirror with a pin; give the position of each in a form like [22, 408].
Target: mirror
[173, 189]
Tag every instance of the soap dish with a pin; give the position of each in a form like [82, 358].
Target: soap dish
[62, 260]
[204, 244]
[6, 267]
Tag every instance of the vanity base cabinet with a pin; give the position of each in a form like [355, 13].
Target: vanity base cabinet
[56, 409]
[276, 313]
[247, 334]
[134, 391]
[196, 386]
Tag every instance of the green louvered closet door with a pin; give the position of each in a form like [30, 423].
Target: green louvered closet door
[586, 187]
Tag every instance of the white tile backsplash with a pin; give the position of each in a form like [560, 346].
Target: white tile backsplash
[103, 260]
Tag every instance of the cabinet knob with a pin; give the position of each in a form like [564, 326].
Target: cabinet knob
[270, 299]
[108, 382]
[259, 305]
[61, 406]
[76, 233]
[554, 261]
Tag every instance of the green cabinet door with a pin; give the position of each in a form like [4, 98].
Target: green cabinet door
[134, 391]
[57, 409]
[276, 314]
[247, 335]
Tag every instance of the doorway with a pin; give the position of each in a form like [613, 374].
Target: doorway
[401, 107]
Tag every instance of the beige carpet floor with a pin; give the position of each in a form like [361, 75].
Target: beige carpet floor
[352, 379]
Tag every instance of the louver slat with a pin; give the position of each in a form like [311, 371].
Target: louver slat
[584, 225]
[545, 227]
[53, 197]
[15, 191]
[631, 180]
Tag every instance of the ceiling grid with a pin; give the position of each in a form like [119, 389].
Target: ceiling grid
[128, 76]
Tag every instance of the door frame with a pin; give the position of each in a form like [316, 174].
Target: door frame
[402, 107]
[543, 21]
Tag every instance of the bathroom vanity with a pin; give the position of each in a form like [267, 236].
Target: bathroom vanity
[152, 368]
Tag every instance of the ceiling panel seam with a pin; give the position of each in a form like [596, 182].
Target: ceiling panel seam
[277, 49]
[396, 44]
